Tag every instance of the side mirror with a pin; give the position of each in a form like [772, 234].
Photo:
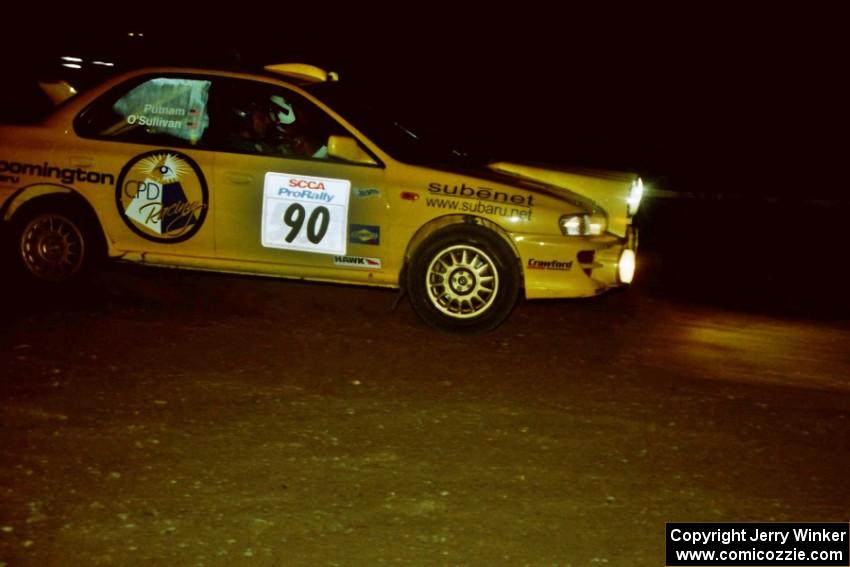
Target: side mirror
[345, 148]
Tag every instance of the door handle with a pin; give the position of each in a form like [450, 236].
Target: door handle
[81, 161]
[238, 179]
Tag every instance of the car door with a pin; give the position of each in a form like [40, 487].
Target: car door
[283, 205]
[152, 129]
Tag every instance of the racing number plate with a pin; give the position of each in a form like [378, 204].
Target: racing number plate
[308, 214]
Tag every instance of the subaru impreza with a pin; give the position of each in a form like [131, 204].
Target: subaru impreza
[277, 173]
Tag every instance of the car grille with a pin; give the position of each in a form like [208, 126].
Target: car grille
[585, 258]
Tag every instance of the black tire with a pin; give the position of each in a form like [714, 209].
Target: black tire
[53, 241]
[464, 279]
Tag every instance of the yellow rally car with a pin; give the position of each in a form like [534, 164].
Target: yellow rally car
[276, 174]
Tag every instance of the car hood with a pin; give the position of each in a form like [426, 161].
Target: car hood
[609, 190]
[506, 180]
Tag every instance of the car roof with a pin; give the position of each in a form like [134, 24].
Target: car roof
[297, 74]
[300, 74]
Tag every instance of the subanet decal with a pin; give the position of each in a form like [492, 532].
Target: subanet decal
[481, 194]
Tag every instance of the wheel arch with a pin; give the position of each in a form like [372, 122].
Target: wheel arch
[443, 222]
[44, 196]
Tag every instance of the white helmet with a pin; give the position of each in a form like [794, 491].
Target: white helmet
[281, 111]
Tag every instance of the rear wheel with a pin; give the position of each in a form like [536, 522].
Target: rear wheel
[53, 244]
[464, 279]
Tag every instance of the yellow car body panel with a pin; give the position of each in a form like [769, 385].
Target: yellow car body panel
[392, 207]
[604, 187]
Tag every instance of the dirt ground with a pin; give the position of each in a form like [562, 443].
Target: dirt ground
[155, 417]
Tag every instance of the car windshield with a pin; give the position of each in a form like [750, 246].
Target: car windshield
[400, 140]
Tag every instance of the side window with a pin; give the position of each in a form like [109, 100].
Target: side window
[256, 118]
[159, 111]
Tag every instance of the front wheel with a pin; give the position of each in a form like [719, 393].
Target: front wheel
[464, 279]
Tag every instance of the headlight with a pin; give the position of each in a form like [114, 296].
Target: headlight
[635, 195]
[626, 266]
[583, 225]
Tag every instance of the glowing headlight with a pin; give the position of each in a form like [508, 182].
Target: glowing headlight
[571, 226]
[635, 194]
[583, 225]
[626, 266]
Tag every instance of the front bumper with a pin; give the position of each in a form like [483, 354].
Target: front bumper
[557, 266]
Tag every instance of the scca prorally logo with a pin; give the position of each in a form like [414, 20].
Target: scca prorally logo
[162, 196]
[306, 184]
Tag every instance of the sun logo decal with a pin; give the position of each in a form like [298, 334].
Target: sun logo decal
[168, 167]
[162, 196]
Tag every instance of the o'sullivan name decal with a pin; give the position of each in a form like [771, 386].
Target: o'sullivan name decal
[307, 214]
[162, 196]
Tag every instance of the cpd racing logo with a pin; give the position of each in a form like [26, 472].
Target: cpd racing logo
[162, 196]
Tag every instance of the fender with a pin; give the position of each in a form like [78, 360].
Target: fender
[433, 225]
[30, 192]
[610, 190]
[50, 191]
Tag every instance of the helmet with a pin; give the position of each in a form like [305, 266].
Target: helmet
[281, 111]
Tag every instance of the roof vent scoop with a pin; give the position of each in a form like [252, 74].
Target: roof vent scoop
[57, 91]
[302, 72]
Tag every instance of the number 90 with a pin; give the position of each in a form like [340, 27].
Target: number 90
[317, 224]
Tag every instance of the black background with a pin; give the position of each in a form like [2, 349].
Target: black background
[740, 111]
[716, 100]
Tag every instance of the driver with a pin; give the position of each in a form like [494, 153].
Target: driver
[295, 133]
[256, 133]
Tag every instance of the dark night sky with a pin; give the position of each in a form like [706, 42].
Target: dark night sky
[712, 101]
[746, 104]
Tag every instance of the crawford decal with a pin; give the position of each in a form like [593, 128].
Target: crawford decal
[162, 196]
[364, 234]
[358, 262]
[549, 265]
